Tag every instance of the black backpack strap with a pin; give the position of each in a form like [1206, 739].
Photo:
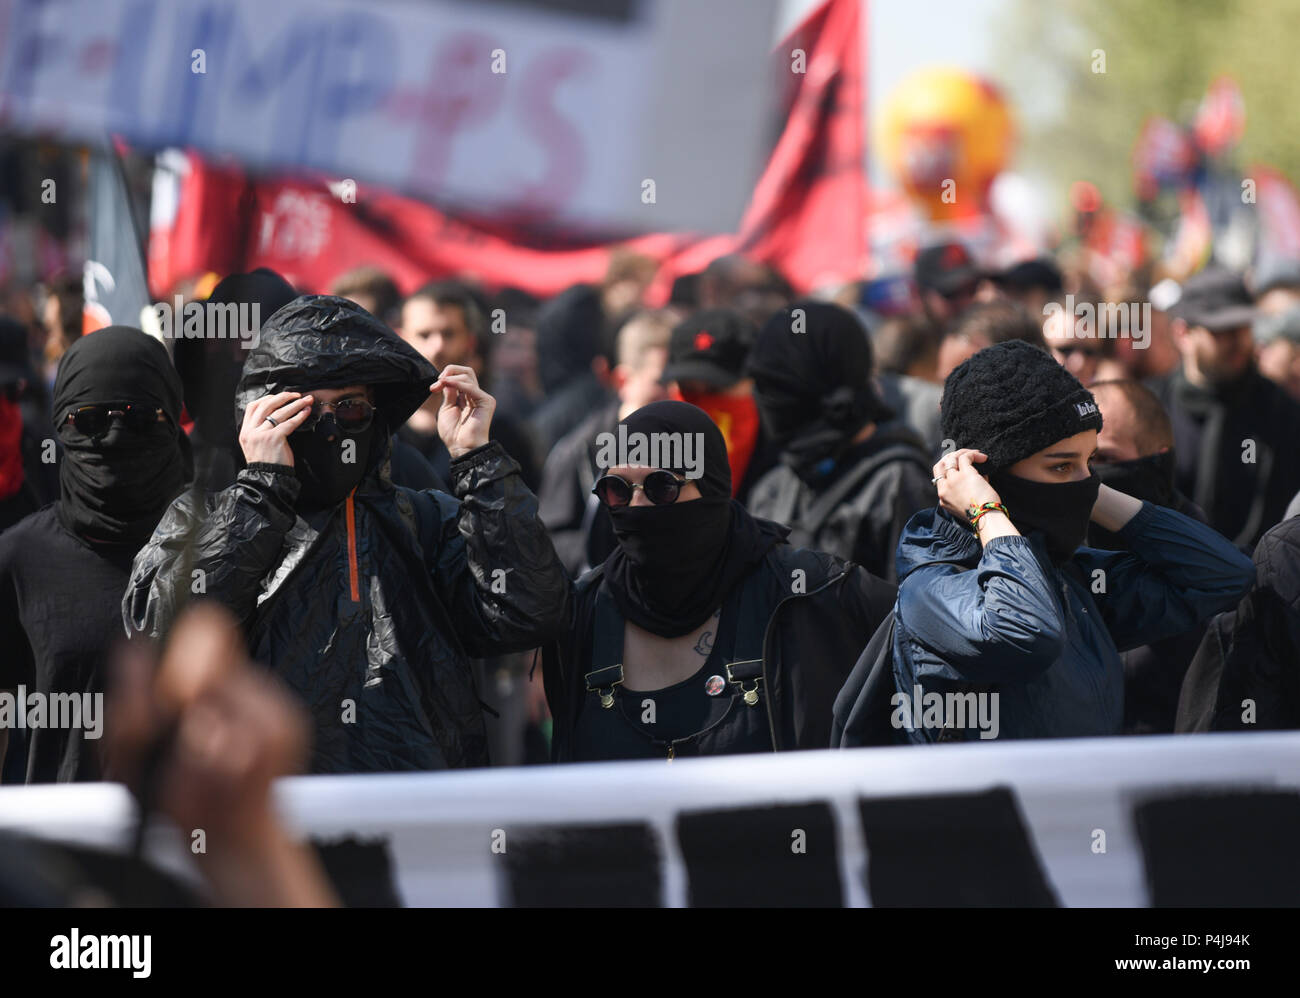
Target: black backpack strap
[606, 648]
[804, 533]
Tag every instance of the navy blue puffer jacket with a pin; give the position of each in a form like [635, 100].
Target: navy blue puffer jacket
[1003, 619]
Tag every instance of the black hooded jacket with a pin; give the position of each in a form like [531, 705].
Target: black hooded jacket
[372, 610]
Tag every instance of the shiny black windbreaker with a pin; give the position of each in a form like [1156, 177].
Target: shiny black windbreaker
[371, 614]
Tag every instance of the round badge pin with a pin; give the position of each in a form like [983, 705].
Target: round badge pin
[714, 686]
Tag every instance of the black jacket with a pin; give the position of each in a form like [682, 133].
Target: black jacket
[1235, 447]
[817, 614]
[372, 611]
[1252, 653]
[865, 524]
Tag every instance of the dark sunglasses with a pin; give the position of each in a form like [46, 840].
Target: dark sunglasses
[350, 415]
[95, 420]
[660, 487]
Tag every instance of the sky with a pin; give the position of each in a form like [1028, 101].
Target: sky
[906, 35]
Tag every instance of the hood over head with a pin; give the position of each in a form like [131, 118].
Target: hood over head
[323, 341]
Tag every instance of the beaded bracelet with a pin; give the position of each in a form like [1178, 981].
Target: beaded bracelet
[975, 512]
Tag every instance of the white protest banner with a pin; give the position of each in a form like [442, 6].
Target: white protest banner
[1190, 820]
[605, 115]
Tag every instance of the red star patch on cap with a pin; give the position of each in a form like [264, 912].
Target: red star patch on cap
[703, 340]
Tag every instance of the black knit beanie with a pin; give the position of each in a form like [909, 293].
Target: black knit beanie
[1012, 400]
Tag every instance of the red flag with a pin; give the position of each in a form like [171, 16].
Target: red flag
[806, 216]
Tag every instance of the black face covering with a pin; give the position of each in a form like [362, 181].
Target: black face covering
[676, 563]
[114, 490]
[813, 387]
[319, 462]
[1059, 511]
[1148, 478]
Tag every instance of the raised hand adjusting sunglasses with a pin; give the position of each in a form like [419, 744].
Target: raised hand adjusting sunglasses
[660, 487]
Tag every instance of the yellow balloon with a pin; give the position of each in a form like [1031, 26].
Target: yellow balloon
[945, 134]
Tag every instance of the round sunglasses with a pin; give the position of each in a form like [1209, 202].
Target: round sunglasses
[350, 415]
[95, 420]
[660, 487]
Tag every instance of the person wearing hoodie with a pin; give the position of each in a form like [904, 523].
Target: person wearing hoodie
[997, 597]
[368, 599]
[844, 484]
[117, 404]
[703, 632]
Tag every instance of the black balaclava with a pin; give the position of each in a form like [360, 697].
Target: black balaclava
[811, 366]
[115, 490]
[1011, 401]
[1060, 511]
[1149, 478]
[318, 461]
[675, 564]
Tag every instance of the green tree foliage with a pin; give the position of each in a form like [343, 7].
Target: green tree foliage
[1160, 56]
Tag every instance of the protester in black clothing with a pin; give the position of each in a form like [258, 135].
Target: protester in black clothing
[578, 523]
[706, 366]
[1135, 456]
[845, 484]
[1235, 430]
[117, 403]
[209, 368]
[703, 633]
[576, 334]
[366, 598]
[446, 324]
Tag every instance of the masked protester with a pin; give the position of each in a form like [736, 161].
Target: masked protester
[703, 633]
[845, 483]
[117, 403]
[998, 599]
[367, 598]
[706, 367]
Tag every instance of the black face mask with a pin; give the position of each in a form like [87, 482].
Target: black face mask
[318, 461]
[1059, 511]
[1150, 479]
[116, 489]
[667, 574]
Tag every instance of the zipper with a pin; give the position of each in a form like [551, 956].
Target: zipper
[767, 633]
[672, 750]
[352, 549]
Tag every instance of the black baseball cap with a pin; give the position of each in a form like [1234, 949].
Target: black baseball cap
[1040, 272]
[710, 346]
[946, 268]
[1215, 299]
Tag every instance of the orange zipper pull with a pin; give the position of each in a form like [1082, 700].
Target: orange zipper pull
[672, 750]
[355, 588]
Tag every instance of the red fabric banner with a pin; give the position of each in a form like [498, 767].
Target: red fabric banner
[807, 214]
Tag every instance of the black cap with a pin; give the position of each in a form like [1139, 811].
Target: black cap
[945, 268]
[1215, 299]
[1041, 272]
[710, 346]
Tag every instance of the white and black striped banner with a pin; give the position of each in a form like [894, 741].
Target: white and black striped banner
[1208, 820]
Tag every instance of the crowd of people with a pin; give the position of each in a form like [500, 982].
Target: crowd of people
[408, 511]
